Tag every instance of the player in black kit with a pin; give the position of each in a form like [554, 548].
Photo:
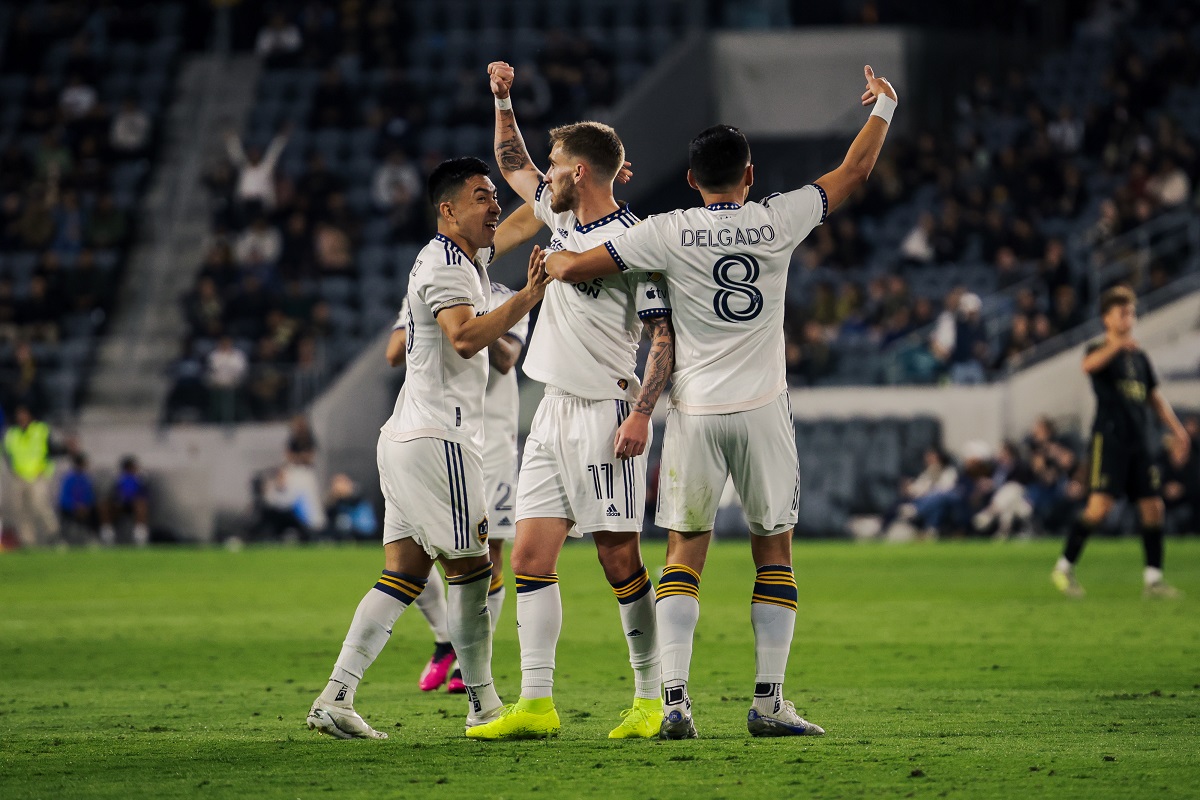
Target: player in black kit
[1123, 445]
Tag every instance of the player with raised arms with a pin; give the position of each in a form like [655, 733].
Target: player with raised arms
[430, 451]
[584, 466]
[1123, 448]
[726, 263]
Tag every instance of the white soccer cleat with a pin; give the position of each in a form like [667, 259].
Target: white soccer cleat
[784, 722]
[677, 724]
[340, 722]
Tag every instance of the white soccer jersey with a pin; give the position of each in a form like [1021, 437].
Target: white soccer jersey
[727, 267]
[586, 338]
[442, 396]
[500, 403]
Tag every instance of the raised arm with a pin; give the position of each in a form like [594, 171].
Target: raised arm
[469, 334]
[864, 150]
[1099, 358]
[518, 228]
[511, 153]
[275, 148]
[634, 432]
[233, 148]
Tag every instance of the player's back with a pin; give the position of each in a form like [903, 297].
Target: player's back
[727, 268]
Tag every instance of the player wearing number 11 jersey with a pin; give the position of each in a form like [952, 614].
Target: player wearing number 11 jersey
[726, 265]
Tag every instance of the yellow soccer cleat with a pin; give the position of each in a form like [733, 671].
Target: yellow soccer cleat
[640, 722]
[1066, 583]
[525, 719]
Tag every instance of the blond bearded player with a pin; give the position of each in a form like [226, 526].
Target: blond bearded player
[584, 466]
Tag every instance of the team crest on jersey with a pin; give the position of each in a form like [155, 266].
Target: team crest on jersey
[622, 384]
[483, 528]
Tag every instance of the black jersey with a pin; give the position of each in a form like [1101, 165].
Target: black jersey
[1123, 388]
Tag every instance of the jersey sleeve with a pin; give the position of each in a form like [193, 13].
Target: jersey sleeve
[402, 317]
[541, 204]
[641, 248]
[798, 212]
[443, 288]
[650, 295]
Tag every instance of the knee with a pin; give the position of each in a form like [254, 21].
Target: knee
[528, 561]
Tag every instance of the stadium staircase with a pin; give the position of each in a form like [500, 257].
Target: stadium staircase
[213, 94]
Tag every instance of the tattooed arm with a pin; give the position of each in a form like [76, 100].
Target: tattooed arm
[634, 432]
[511, 154]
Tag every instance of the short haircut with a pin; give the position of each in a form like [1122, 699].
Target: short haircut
[718, 157]
[594, 142]
[449, 176]
[1116, 296]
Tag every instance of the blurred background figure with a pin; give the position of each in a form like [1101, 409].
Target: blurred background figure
[128, 506]
[77, 503]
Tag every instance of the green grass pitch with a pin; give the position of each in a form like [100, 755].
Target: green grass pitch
[951, 670]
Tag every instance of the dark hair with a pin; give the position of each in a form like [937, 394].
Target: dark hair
[128, 463]
[594, 142]
[1116, 296]
[449, 176]
[718, 157]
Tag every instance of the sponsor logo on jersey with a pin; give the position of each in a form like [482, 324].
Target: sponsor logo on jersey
[504, 522]
[612, 511]
[634, 632]
[591, 289]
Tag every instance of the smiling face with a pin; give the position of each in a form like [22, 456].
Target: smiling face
[474, 211]
[562, 176]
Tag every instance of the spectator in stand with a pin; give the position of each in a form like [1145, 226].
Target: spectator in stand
[25, 388]
[1016, 344]
[227, 367]
[350, 515]
[970, 351]
[1007, 509]
[107, 225]
[128, 504]
[279, 43]
[397, 188]
[1169, 187]
[809, 358]
[130, 130]
[301, 441]
[77, 99]
[29, 449]
[77, 502]
[332, 247]
[938, 477]
[258, 247]
[255, 189]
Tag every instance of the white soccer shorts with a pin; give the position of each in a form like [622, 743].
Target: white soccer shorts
[500, 483]
[756, 448]
[433, 493]
[569, 470]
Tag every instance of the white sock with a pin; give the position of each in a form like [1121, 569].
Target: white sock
[635, 599]
[677, 612]
[539, 622]
[1062, 565]
[369, 631]
[141, 535]
[432, 603]
[495, 601]
[1151, 575]
[773, 616]
[471, 633]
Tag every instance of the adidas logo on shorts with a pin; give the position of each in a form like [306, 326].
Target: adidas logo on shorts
[612, 511]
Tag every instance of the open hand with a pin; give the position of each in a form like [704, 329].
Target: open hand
[537, 279]
[626, 173]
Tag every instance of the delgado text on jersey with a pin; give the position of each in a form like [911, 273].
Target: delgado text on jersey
[723, 237]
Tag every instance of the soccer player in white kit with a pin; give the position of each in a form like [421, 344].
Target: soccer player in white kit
[727, 264]
[584, 465]
[499, 459]
[430, 451]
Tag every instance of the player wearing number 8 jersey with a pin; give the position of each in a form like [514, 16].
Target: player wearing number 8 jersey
[726, 265]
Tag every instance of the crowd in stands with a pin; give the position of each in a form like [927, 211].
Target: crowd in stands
[1033, 487]
[81, 88]
[1091, 146]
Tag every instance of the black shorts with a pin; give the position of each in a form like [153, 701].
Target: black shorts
[1119, 470]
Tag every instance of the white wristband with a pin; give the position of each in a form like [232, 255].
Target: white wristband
[884, 107]
[504, 104]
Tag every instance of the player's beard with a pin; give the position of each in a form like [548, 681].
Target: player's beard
[566, 196]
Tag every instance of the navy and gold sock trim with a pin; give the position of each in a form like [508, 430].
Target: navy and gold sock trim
[496, 585]
[775, 585]
[531, 583]
[635, 587]
[474, 575]
[404, 588]
[678, 579]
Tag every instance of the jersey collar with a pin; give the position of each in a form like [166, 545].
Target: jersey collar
[622, 213]
[447, 240]
[723, 206]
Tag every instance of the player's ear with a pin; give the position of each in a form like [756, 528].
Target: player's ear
[692, 181]
[749, 175]
[446, 210]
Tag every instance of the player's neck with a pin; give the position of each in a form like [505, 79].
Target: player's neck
[594, 205]
[462, 243]
[736, 197]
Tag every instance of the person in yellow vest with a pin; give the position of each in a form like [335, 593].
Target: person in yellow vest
[29, 450]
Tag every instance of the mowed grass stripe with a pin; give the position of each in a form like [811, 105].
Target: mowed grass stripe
[952, 668]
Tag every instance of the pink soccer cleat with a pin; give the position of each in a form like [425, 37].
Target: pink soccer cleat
[455, 685]
[438, 668]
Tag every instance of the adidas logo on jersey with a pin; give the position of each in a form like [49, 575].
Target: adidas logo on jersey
[634, 632]
[504, 522]
[612, 511]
